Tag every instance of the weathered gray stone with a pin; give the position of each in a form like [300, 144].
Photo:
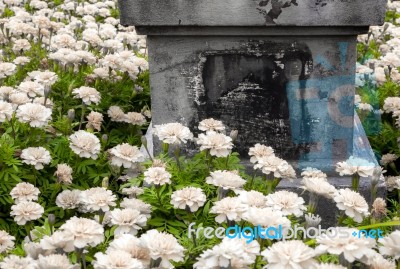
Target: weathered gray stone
[252, 12]
[262, 67]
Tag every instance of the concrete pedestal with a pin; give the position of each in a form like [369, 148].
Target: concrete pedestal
[280, 72]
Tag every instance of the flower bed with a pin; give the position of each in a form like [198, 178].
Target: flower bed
[77, 192]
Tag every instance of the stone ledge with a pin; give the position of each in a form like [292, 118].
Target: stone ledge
[251, 31]
[252, 12]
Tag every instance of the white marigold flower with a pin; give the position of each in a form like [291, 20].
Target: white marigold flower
[230, 252]
[211, 125]
[260, 151]
[266, 217]
[272, 164]
[378, 208]
[40, 101]
[312, 220]
[289, 254]
[158, 163]
[6, 241]
[390, 245]
[116, 260]
[355, 165]
[6, 111]
[130, 244]
[388, 158]
[21, 60]
[7, 69]
[313, 172]
[147, 113]
[26, 211]
[288, 172]
[85, 144]
[226, 180]
[58, 261]
[132, 191]
[18, 98]
[94, 120]
[162, 245]
[250, 250]
[33, 249]
[86, 232]
[352, 203]
[59, 240]
[128, 220]
[97, 198]
[189, 197]
[135, 118]
[352, 247]
[36, 156]
[378, 262]
[392, 183]
[31, 88]
[318, 185]
[16, 262]
[87, 94]
[69, 199]
[116, 114]
[64, 173]
[365, 107]
[5, 92]
[126, 155]
[157, 176]
[289, 203]
[218, 144]
[46, 78]
[36, 115]
[24, 192]
[229, 208]
[252, 198]
[173, 133]
[391, 104]
[137, 204]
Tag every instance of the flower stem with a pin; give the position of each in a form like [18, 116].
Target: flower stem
[155, 263]
[313, 202]
[276, 183]
[374, 191]
[80, 257]
[344, 262]
[165, 147]
[83, 261]
[158, 190]
[82, 116]
[255, 263]
[341, 218]
[28, 230]
[252, 180]
[209, 160]
[227, 162]
[101, 217]
[355, 182]
[177, 154]
[12, 126]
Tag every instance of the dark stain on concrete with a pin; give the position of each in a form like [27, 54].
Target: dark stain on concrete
[246, 89]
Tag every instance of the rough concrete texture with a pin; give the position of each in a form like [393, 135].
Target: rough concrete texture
[292, 93]
[252, 12]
